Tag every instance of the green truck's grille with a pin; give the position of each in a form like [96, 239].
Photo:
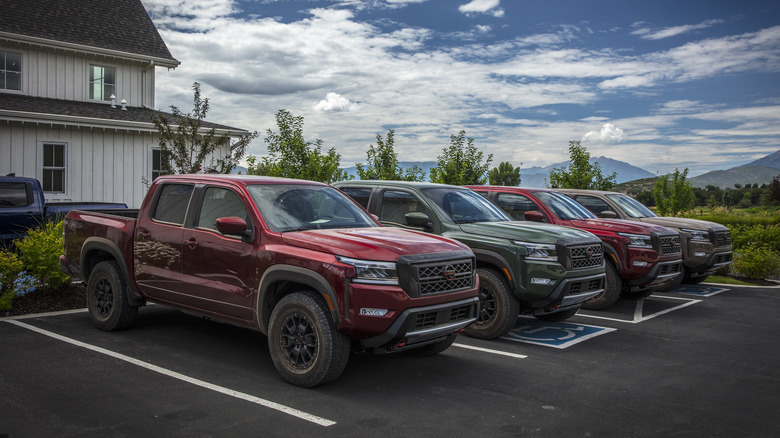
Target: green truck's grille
[586, 256]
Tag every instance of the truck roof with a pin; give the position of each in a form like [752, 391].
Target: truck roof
[237, 179]
[419, 185]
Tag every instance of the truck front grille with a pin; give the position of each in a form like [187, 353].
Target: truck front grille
[436, 273]
[586, 256]
[670, 244]
[723, 238]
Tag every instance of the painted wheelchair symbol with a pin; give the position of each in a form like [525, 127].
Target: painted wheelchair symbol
[556, 335]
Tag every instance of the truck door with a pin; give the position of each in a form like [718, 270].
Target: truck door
[158, 242]
[218, 270]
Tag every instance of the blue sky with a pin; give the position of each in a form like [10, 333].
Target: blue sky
[658, 84]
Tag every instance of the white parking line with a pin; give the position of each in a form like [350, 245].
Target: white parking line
[222, 390]
[638, 317]
[487, 350]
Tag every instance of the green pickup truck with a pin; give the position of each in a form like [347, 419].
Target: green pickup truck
[524, 268]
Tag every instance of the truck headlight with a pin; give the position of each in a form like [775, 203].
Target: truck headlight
[697, 234]
[638, 240]
[538, 251]
[372, 272]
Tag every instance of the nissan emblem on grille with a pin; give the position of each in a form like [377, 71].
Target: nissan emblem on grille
[448, 272]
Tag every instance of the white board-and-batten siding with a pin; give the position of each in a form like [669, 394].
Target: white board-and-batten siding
[101, 165]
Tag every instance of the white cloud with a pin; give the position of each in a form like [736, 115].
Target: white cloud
[335, 102]
[608, 134]
[649, 34]
[482, 7]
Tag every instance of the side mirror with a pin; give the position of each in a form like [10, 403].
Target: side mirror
[535, 216]
[607, 214]
[418, 219]
[232, 226]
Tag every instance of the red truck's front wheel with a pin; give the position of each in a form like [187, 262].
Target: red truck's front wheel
[305, 346]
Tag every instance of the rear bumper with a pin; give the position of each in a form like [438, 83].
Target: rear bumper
[418, 326]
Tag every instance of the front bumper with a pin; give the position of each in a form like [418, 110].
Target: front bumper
[660, 274]
[571, 293]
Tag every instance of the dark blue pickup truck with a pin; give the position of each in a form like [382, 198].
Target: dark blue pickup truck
[23, 206]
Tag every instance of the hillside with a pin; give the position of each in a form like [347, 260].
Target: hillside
[772, 160]
[747, 174]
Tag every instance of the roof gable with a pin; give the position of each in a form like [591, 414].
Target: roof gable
[117, 25]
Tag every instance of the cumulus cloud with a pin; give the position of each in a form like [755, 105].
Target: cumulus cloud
[608, 134]
[649, 34]
[482, 7]
[335, 102]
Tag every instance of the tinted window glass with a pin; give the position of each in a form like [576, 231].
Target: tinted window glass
[631, 206]
[172, 203]
[594, 204]
[219, 202]
[396, 204]
[563, 206]
[14, 194]
[360, 195]
[464, 206]
[516, 205]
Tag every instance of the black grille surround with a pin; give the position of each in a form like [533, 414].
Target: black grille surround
[576, 254]
[667, 244]
[436, 273]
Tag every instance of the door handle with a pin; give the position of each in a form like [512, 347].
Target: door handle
[192, 243]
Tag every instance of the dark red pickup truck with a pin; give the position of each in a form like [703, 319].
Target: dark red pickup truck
[640, 256]
[296, 260]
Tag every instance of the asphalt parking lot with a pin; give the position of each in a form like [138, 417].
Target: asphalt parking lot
[701, 361]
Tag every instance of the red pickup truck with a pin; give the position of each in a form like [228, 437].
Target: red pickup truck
[295, 260]
[640, 256]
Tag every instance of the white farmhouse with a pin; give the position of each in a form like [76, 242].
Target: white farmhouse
[77, 89]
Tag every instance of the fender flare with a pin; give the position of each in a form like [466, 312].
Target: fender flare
[499, 261]
[102, 244]
[611, 254]
[297, 274]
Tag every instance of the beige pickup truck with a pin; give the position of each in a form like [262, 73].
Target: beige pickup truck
[706, 246]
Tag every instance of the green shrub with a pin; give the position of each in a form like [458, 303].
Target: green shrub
[10, 269]
[743, 236]
[756, 262]
[40, 252]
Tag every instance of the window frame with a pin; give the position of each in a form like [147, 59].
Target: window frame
[4, 71]
[91, 83]
[54, 168]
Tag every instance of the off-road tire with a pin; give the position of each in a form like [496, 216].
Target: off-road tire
[558, 316]
[434, 348]
[612, 287]
[498, 307]
[306, 348]
[107, 300]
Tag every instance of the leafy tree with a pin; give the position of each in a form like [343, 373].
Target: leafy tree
[461, 163]
[185, 143]
[382, 163]
[774, 191]
[581, 174]
[505, 175]
[675, 196]
[290, 156]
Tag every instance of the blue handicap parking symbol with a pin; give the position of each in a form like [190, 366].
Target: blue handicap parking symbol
[553, 334]
[699, 291]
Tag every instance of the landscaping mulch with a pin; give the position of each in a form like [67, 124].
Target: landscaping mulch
[72, 296]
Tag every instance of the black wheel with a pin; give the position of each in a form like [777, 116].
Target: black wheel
[612, 287]
[674, 284]
[434, 348]
[558, 316]
[498, 307]
[306, 348]
[694, 280]
[107, 302]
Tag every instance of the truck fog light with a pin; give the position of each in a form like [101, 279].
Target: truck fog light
[541, 281]
[367, 311]
[640, 264]
[699, 254]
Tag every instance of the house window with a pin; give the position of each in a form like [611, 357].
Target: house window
[53, 167]
[102, 82]
[10, 71]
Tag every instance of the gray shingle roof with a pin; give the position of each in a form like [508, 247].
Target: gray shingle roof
[29, 106]
[121, 25]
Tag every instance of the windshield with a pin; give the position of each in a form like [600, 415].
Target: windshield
[563, 206]
[298, 207]
[631, 206]
[464, 206]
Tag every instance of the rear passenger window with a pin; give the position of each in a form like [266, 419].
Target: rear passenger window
[172, 203]
[15, 194]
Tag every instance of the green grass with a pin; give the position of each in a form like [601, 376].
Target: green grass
[722, 279]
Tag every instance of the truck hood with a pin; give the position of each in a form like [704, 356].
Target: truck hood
[619, 226]
[375, 243]
[679, 222]
[533, 232]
